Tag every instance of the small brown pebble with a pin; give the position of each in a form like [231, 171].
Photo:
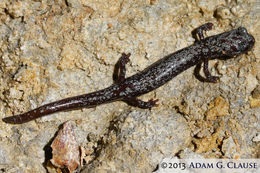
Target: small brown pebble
[65, 149]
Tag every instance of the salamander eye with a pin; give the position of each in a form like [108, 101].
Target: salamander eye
[241, 31]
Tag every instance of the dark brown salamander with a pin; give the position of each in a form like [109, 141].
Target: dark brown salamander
[224, 45]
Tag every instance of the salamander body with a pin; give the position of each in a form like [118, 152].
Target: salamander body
[225, 45]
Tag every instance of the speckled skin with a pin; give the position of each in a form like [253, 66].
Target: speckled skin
[225, 45]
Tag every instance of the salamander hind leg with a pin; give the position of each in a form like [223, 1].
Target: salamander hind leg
[120, 69]
[132, 101]
[199, 31]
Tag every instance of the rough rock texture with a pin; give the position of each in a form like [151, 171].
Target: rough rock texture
[55, 49]
[141, 139]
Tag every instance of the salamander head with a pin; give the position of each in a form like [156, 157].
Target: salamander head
[236, 42]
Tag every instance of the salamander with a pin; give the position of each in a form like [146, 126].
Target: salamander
[225, 45]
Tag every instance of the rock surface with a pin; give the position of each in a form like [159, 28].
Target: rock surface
[50, 50]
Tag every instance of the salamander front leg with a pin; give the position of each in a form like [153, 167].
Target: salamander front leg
[120, 70]
[132, 101]
[209, 77]
[199, 31]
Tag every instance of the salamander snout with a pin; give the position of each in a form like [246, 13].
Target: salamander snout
[248, 39]
[237, 41]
